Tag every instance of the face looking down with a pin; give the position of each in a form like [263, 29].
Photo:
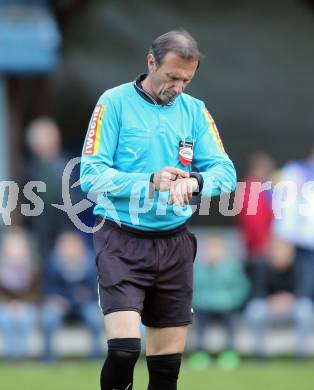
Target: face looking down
[169, 79]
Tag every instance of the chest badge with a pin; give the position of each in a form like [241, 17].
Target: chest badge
[185, 152]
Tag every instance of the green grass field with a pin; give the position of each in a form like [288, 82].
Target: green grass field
[78, 375]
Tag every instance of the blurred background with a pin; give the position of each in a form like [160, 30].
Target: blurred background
[254, 275]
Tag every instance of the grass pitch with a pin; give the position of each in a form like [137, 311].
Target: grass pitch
[81, 375]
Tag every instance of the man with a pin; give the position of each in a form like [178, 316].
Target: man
[142, 140]
[69, 287]
[296, 224]
[276, 299]
[46, 164]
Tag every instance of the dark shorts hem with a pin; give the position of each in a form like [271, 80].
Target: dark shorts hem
[121, 309]
[166, 324]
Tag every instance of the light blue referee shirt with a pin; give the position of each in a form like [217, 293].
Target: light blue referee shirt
[129, 138]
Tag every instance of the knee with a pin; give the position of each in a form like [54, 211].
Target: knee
[124, 352]
[303, 311]
[51, 317]
[5, 317]
[166, 341]
[30, 317]
[256, 312]
[92, 316]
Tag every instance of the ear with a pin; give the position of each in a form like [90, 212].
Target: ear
[151, 63]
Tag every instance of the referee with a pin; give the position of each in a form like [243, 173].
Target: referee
[143, 140]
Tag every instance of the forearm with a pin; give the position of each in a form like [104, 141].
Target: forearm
[98, 178]
[219, 179]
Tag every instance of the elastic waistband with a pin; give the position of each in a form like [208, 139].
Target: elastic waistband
[143, 233]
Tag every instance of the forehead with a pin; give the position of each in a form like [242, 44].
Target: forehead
[178, 66]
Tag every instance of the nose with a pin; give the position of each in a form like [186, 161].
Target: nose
[179, 87]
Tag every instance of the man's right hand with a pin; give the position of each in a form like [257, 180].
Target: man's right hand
[163, 178]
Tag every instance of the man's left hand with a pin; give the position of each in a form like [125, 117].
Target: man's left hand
[181, 190]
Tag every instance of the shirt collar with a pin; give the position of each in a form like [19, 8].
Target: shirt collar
[145, 95]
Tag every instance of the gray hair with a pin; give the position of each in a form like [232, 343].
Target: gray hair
[179, 42]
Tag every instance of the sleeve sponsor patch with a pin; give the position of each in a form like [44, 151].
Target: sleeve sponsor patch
[94, 131]
[214, 130]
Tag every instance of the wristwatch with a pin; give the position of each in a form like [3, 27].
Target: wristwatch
[200, 181]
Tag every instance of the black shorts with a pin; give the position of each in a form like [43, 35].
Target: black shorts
[148, 272]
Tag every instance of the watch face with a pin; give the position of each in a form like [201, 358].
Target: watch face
[185, 152]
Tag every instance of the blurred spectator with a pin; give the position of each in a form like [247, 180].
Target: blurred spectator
[47, 165]
[296, 224]
[275, 301]
[69, 287]
[256, 228]
[220, 290]
[18, 295]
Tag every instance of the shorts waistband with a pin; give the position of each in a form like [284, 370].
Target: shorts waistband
[144, 233]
